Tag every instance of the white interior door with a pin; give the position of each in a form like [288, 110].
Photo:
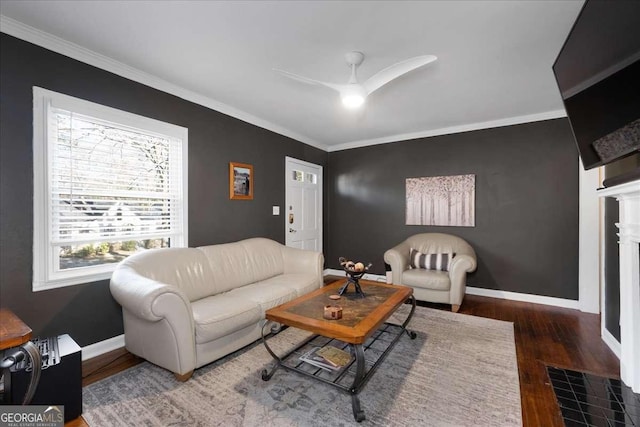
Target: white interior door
[303, 205]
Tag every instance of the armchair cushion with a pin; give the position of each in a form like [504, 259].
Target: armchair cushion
[435, 261]
[426, 279]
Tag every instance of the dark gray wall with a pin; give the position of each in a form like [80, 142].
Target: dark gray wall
[611, 268]
[87, 312]
[526, 233]
[611, 247]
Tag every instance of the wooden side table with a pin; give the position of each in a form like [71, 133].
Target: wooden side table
[14, 333]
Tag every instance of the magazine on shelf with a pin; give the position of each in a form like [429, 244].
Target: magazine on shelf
[312, 358]
[335, 356]
[336, 361]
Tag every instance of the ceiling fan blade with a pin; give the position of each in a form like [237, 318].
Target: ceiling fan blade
[396, 70]
[309, 81]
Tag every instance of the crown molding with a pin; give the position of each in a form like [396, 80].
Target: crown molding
[56, 44]
[509, 121]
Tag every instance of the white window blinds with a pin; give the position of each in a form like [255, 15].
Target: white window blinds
[109, 182]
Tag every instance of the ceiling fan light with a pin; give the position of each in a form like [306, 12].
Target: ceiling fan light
[353, 96]
[352, 101]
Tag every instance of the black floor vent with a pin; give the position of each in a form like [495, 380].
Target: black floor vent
[590, 400]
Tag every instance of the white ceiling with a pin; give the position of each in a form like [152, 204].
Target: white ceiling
[494, 58]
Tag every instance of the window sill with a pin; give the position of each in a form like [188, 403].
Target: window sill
[46, 285]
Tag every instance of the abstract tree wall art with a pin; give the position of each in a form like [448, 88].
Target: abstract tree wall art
[442, 200]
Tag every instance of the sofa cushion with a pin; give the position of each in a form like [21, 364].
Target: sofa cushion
[241, 263]
[302, 283]
[185, 268]
[427, 279]
[264, 258]
[267, 296]
[220, 315]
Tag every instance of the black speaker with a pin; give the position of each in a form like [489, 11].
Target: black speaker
[60, 384]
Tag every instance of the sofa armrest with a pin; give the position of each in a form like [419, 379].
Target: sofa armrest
[460, 266]
[398, 258]
[302, 261]
[139, 295]
[158, 320]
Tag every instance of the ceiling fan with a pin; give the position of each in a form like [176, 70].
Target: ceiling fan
[353, 94]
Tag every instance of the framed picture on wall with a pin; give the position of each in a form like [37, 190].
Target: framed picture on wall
[240, 181]
[442, 200]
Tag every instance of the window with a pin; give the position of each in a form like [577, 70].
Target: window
[312, 178]
[107, 184]
[300, 176]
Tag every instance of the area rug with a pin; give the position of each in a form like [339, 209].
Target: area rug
[460, 371]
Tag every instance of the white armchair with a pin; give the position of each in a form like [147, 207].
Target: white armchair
[446, 287]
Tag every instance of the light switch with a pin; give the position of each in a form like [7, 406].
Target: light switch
[276, 210]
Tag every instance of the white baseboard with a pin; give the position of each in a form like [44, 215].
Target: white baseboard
[493, 293]
[516, 296]
[102, 347]
[611, 342]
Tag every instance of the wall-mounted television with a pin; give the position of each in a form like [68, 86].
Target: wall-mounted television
[598, 74]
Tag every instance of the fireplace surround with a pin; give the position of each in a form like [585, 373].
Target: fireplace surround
[628, 197]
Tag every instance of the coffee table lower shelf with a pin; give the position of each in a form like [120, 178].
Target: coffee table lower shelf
[351, 378]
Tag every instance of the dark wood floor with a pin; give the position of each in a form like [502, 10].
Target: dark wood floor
[547, 336]
[544, 336]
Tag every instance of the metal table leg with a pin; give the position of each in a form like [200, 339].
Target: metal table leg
[362, 376]
[266, 374]
[358, 413]
[411, 334]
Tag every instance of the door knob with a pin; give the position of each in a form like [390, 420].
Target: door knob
[291, 230]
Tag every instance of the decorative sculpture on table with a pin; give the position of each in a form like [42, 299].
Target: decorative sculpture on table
[355, 271]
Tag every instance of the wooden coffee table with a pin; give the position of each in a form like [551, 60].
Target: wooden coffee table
[363, 331]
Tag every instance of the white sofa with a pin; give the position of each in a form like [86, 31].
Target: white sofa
[186, 307]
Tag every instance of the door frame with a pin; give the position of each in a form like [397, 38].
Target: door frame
[287, 161]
